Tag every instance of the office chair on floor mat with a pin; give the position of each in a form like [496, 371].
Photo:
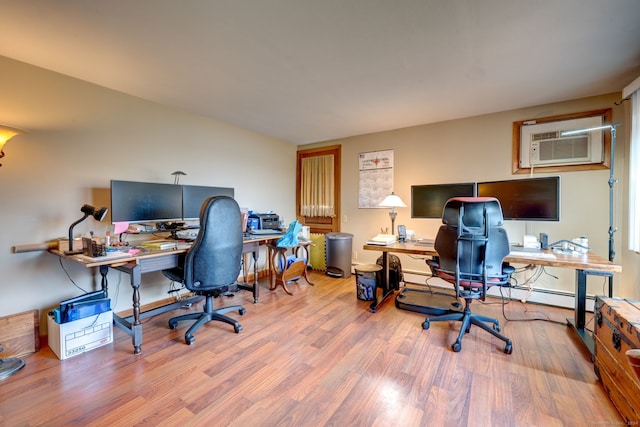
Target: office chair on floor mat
[471, 246]
[212, 264]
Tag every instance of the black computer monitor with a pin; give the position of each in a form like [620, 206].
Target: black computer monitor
[532, 199]
[193, 196]
[427, 201]
[133, 201]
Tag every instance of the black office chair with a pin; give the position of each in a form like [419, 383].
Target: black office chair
[471, 247]
[212, 264]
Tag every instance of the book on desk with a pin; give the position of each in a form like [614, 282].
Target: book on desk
[159, 245]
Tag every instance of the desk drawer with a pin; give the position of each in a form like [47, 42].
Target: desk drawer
[158, 263]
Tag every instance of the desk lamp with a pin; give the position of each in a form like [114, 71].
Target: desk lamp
[392, 201]
[6, 133]
[98, 214]
[612, 182]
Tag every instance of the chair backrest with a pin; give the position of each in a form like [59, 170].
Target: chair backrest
[214, 259]
[472, 243]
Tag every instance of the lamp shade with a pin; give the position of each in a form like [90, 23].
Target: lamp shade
[392, 201]
[7, 132]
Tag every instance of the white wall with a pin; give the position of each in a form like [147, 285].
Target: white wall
[479, 149]
[82, 136]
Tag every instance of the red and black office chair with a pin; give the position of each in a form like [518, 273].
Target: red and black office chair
[212, 265]
[471, 246]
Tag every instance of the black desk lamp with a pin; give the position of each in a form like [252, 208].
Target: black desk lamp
[98, 214]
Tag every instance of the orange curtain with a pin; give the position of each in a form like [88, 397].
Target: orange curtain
[317, 198]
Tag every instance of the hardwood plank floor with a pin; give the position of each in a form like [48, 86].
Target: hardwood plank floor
[319, 358]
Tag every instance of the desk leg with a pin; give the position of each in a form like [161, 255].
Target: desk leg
[305, 249]
[578, 323]
[256, 288]
[134, 329]
[387, 290]
[104, 270]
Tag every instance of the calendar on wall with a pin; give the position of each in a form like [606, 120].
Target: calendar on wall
[375, 177]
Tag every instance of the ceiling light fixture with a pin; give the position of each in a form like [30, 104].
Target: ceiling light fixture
[6, 133]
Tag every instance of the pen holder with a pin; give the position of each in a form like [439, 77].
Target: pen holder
[92, 248]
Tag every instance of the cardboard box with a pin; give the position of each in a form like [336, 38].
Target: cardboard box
[73, 338]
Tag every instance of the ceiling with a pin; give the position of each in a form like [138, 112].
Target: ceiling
[312, 70]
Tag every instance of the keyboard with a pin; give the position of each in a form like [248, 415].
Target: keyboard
[533, 254]
[265, 231]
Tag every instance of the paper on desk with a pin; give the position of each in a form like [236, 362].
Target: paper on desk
[120, 227]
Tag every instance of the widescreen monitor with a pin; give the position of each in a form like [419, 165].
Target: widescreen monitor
[532, 199]
[141, 202]
[427, 201]
[193, 196]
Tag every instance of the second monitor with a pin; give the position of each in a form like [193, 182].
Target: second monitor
[193, 196]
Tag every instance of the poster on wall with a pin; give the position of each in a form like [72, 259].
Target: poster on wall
[375, 169]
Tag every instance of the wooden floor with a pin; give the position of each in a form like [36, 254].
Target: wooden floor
[319, 358]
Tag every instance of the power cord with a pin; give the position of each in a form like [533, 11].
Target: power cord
[69, 276]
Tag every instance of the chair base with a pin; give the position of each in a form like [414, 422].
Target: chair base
[9, 366]
[209, 314]
[468, 318]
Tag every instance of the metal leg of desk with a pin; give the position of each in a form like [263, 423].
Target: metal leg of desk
[387, 290]
[255, 289]
[578, 323]
[104, 270]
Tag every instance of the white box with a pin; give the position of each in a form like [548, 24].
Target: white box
[73, 338]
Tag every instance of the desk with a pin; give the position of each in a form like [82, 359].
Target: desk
[157, 261]
[587, 264]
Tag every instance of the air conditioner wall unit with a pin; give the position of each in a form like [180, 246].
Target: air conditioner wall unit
[548, 147]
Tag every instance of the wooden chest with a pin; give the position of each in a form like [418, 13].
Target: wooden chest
[617, 329]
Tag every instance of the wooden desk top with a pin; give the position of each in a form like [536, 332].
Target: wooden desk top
[148, 254]
[588, 261]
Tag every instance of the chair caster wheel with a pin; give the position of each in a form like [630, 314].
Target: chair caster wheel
[508, 348]
[238, 329]
[242, 311]
[496, 327]
[426, 324]
[456, 346]
[173, 324]
[189, 339]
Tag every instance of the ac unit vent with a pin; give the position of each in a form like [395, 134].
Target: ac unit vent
[545, 135]
[560, 150]
[552, 149]
[546, 144]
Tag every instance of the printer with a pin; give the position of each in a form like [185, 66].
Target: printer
[263, 221]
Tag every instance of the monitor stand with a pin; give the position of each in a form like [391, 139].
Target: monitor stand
[428, 301]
